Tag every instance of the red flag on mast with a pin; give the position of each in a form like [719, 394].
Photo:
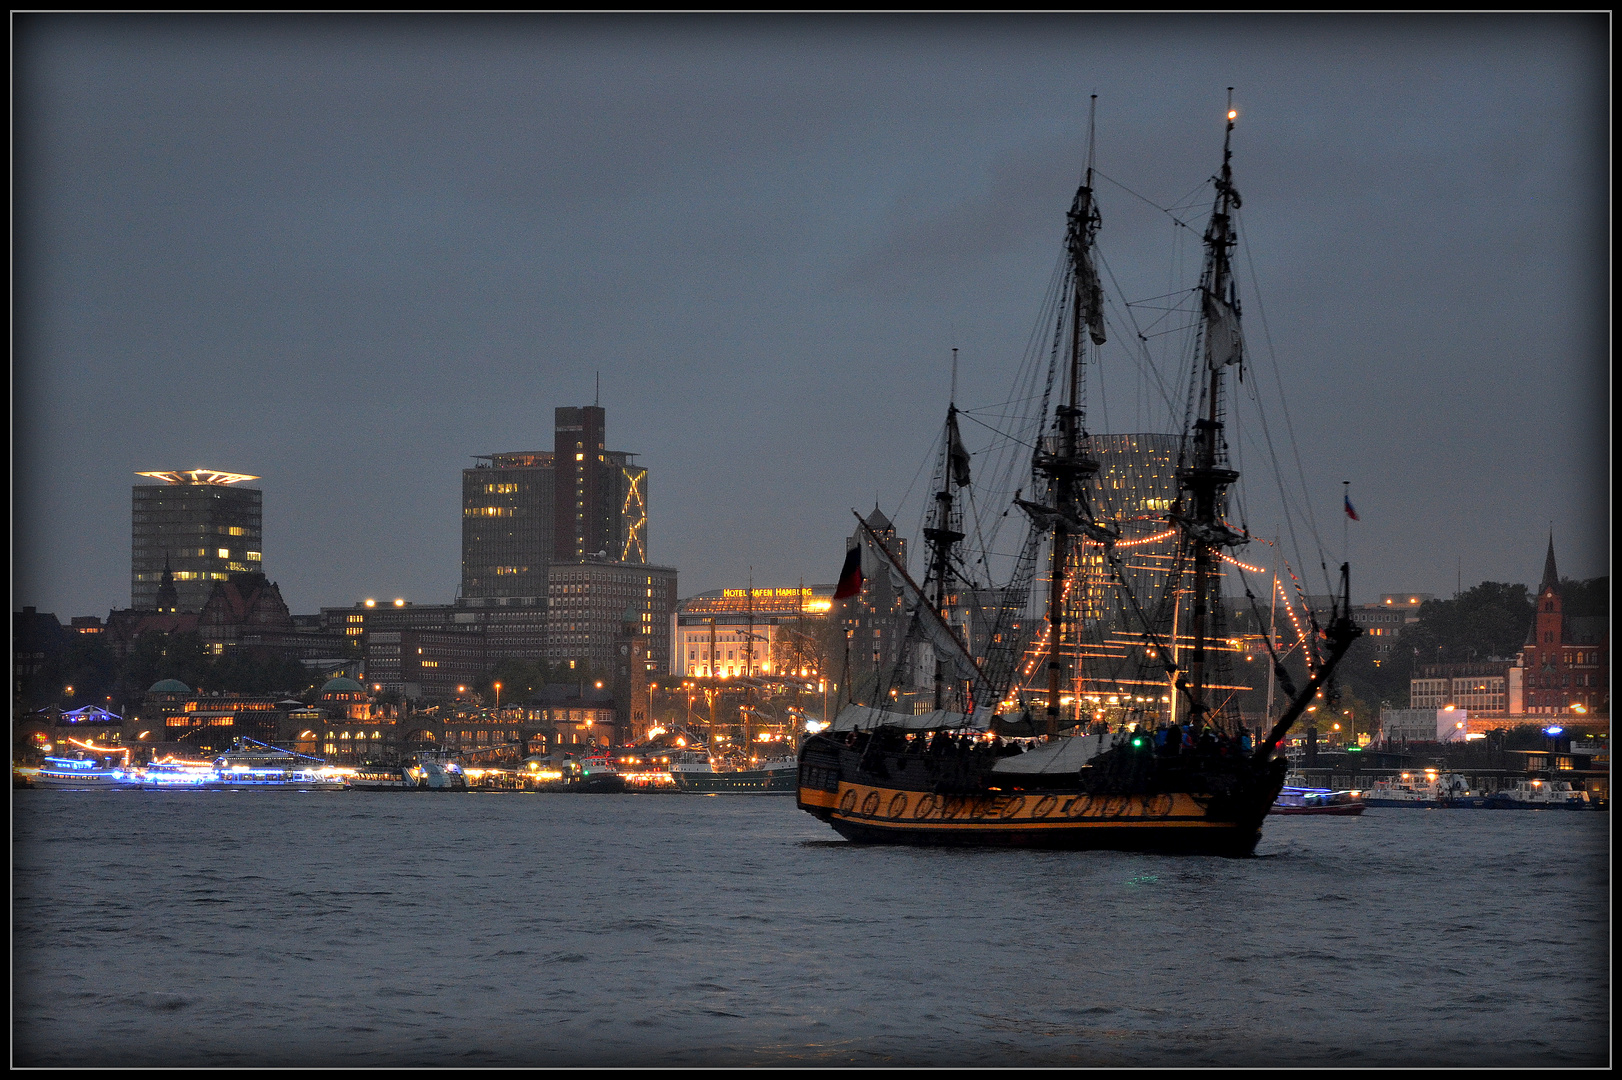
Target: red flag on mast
[1350, 511]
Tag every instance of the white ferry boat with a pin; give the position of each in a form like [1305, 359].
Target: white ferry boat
[253, 764]
[86, 769]
[171, 774]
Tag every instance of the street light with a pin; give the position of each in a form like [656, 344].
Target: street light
[498, 697]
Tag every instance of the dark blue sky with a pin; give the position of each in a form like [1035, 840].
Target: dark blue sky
[346, 254]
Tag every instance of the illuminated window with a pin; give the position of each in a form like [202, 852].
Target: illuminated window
[236, 530]
[225, 553]
[254, 556]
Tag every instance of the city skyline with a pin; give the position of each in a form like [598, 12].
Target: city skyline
[351, 255]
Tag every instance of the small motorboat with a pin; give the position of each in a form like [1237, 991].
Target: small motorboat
[1306, 800]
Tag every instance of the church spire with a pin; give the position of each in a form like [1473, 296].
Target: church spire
[1551, 578]
[168, 595]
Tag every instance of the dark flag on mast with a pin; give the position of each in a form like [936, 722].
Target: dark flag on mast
[850, 578]
[955, 451]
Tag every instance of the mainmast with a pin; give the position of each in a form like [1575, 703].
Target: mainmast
[1205, 484]
[1065, 459]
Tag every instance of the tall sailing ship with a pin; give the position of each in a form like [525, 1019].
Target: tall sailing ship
[1111, 721]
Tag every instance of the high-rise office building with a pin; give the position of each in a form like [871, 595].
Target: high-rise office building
[1135, 487]
[601, 508]
[524, 510]
[627, 485]
[591, 602]
[198, 526]
[507, 525]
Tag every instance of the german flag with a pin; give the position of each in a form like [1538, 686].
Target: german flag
[850, 578]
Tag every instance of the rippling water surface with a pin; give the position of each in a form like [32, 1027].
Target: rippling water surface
[265, 928]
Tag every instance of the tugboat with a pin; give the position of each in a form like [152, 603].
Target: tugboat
[593, 774]
[1136, 771]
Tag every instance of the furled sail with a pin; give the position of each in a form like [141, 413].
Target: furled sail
[1224, 343]
[1089, 292]
[868, 717]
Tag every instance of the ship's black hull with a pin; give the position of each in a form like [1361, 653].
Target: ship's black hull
[1234, 843]
[1125, 801]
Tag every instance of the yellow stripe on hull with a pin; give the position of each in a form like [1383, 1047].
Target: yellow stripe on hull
[1036, 811]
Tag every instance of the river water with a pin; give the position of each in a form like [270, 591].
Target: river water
[350, 929]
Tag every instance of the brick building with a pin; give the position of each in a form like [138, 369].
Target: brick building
[1566, 660]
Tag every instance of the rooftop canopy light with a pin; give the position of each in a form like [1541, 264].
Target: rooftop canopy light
[200, 476]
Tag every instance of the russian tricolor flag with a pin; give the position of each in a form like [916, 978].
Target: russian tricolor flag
[1351, 511]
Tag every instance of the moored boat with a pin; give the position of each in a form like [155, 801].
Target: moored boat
[1427, 789]
[251, 764]
[591, 775]
[696, 773]
[377, 776]
[175, 774]
[1539, 795]
[83, 769]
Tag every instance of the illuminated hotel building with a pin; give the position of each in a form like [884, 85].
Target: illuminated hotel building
[726, 633]
[200, 525]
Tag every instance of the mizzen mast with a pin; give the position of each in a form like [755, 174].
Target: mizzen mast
[946, 530]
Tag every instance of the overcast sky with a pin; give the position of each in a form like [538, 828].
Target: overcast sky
[347, 254]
